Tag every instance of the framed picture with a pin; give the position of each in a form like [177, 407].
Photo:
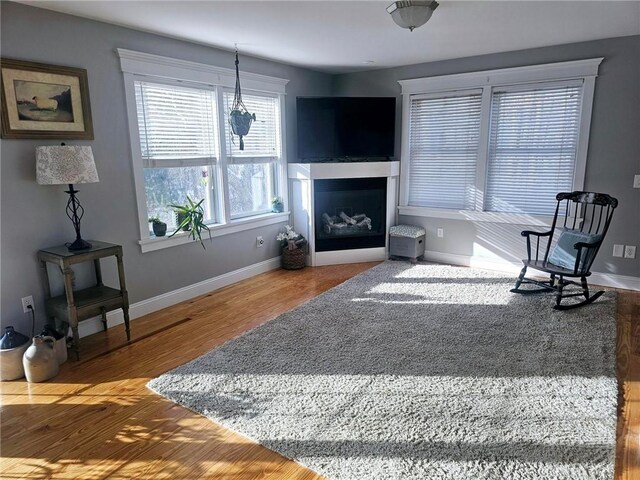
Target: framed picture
[44, 101]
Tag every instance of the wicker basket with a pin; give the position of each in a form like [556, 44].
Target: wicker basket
[294, 259]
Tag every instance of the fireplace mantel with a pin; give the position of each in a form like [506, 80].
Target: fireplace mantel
[313, 171]
[302, 177]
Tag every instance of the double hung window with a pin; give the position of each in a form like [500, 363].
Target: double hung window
[251, 172]
[177, 128]
[503, 148]
[533, 146]
[444, 139]
[183, 146]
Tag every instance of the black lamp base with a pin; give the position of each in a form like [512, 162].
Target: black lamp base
[75, 213]
[79, 244]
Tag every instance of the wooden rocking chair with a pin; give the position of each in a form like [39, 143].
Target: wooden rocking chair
[576, 247]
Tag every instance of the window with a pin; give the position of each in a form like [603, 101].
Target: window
[445, 132]
[182, 144]
[533, 142]
[504, 147]
[177, 128]
[251, 171]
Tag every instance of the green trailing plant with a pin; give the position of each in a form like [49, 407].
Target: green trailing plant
[191, 218]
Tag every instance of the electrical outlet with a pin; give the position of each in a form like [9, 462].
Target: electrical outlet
[618, 251]
[440, 232]
[259, 242]
[630, 251]
[26, 303]
[636, 181]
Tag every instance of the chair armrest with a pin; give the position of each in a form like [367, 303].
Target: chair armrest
[586, 264]
[526, 233]
[580, 245]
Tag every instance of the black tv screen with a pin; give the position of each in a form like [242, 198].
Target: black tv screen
[345, 127]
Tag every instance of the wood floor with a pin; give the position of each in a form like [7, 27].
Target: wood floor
[97, 419]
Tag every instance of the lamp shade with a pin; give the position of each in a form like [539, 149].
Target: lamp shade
[411, 14]
[65, 164]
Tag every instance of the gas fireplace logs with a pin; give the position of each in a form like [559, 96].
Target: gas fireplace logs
[343, 224]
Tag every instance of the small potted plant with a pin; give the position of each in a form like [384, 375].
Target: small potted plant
[191, 218]
[159, 227]
[277, 205]
[293, 245]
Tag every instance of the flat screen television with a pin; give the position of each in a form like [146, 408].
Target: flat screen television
[334, 128]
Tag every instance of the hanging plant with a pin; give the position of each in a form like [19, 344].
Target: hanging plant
[240, 119]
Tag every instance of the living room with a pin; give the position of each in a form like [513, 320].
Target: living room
[270, 413]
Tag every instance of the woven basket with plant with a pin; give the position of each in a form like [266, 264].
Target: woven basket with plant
[294, 251]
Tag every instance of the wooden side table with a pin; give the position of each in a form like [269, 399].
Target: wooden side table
[75, 306]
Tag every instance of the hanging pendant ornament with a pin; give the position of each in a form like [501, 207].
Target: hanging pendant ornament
[239, 117]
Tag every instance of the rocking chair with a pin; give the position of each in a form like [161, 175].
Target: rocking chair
[576, 247]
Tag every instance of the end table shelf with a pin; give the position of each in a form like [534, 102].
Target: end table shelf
[77, 305]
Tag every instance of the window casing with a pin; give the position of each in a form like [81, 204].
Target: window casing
[495, 145]
[182, 145]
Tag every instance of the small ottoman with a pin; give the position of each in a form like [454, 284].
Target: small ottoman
[406, 241]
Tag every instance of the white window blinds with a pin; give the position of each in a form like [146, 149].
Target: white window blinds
[533, 143]
[262, 145]
[444, 137]
[177, 125]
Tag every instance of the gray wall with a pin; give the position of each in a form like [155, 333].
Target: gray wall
[33, 216]
[614, 145]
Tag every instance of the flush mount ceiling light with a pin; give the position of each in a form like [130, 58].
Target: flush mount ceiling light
[412, 14]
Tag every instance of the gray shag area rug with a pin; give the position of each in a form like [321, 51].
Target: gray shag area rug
[420, 372]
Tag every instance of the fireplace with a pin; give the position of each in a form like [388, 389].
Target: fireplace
[350, 213]
[344, 209]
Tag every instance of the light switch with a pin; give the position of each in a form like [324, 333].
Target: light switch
[636, 181]
[618, 250]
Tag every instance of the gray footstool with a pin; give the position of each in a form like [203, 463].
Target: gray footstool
[406, 241]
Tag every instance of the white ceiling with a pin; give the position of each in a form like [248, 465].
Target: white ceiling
[339, 36]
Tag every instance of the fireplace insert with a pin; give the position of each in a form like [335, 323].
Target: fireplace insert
[350, 213]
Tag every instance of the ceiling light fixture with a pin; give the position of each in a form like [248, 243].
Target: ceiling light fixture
[412, 14]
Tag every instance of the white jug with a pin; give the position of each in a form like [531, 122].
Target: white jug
[40, 361]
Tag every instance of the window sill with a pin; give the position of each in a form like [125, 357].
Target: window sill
[470, 215]
[217, 230]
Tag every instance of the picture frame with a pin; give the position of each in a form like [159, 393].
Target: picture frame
[41, 101]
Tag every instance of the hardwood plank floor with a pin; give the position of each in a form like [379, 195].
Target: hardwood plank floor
[97, 419]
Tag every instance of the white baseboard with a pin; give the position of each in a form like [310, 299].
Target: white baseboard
[150, 305]
[596, 278]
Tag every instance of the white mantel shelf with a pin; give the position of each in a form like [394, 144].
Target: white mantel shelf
[315, 171]
[302, 178]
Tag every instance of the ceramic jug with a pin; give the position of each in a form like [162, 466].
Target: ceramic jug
[12, 346]
[40, 361]
[60, 347]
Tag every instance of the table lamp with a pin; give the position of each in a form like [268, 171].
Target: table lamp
[64, 164]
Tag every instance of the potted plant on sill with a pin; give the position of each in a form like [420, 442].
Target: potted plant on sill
[277, 205]
[190, 217]
[294, 251]
[159, 227]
